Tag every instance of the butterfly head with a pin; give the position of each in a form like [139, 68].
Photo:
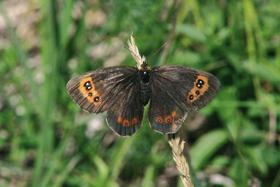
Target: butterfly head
[144, 66]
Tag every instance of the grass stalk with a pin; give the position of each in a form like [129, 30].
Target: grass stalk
[177, 148]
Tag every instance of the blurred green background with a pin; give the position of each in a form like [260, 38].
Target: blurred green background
[47, 140]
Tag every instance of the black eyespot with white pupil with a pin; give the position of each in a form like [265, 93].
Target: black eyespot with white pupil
[159, 120]
[96, 99]
[90, 94]
[197, 92]
[200, 81]
[87, 85]
[191, 97]
[168, 120]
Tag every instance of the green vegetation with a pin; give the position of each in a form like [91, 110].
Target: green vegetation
[47, 140]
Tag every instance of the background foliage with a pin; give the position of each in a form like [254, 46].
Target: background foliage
[47, 140]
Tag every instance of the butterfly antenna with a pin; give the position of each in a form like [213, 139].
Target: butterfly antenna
[127, 49]
[158, 50]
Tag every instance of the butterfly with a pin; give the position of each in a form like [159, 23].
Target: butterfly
[123, 91]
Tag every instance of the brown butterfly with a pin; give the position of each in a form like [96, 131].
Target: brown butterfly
[123, 91]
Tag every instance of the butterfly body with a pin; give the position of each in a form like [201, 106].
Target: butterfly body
[145, 89]
[123, 91]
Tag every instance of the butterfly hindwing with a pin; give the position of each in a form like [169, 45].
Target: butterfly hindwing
[164, 115]
[125, 116]
[181, 88]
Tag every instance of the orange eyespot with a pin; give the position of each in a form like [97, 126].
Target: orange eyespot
[97, 99]
[119, 119]
[126, 123]
[134, 121]
[200, 87]
[174, 114]
[159, 119]
[88, 90]
[168, 119]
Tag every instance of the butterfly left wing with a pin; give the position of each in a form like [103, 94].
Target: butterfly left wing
[176, 90]
[98, 90]
[115, 90]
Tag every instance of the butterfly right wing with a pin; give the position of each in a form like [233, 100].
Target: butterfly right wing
[176, 90]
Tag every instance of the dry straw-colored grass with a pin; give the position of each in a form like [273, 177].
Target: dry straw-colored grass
[177, 148]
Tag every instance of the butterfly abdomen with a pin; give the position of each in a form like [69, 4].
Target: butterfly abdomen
[145, 89]
[145, 92]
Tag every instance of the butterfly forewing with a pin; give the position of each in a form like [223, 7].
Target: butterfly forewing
[191, 89]
[96, 91]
